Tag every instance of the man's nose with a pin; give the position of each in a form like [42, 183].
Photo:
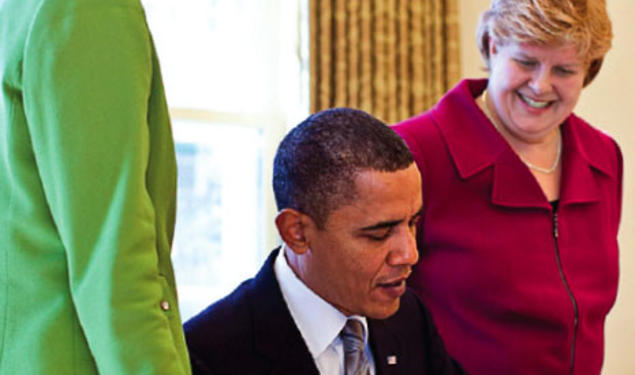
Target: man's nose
[405, 250]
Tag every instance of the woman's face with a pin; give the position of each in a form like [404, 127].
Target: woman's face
[534, 88]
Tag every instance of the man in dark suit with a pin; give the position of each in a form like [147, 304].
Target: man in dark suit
[333, 298]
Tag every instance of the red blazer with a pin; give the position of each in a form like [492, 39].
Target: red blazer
[514, 287]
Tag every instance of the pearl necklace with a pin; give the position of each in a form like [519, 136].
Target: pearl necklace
[526, 162]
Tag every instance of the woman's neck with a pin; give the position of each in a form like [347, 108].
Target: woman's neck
[541, 153]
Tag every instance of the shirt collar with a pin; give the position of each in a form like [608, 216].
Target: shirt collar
[319, 322]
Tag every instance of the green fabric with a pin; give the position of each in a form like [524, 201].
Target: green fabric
[87, 193]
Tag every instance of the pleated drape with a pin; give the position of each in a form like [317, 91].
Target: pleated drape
[391, 58]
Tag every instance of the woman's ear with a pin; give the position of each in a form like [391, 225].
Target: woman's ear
[493, 48]
[292, 227]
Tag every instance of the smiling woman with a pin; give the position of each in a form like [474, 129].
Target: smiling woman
[531, 90]
[518, 241]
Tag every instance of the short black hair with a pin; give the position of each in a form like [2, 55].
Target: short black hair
[316, 162]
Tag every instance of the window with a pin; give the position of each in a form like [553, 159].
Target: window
[235, 80]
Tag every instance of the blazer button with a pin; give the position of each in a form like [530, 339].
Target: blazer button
[165, 305]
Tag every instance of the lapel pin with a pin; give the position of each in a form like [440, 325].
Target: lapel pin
[391, 359]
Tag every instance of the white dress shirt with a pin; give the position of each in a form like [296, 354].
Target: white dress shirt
[317, 320]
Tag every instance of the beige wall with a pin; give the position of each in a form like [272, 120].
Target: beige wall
[609, 104]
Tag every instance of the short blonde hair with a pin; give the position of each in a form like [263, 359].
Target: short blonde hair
[585, 23]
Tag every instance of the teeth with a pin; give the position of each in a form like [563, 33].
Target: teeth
[533, 103]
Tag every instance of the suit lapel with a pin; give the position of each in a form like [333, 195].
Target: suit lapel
[387, 348]
[276, 336]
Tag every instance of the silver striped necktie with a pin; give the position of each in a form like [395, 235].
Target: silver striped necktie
[355, 360]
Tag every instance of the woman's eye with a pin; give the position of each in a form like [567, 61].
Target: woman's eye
[526, 63]
[564, 71]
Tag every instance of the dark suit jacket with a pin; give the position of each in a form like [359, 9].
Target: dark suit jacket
[251, 331]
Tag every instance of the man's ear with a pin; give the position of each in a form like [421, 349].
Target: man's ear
[292, 226]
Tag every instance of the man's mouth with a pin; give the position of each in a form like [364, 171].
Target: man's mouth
[393, 288]
[393, 284]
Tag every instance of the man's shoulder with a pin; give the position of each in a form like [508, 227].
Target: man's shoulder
[244, 331]
[227, 317]
[220, 338]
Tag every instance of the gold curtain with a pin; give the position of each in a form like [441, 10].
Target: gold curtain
[391, 58]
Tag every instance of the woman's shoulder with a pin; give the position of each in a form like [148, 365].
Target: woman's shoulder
[456, 107]
[597, 146]
[421, 135]
[415, 126]
[589, 135]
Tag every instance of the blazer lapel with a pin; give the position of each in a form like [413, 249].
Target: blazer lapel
[472, 142]
[275, 335]
[475, 145]
[513, 184]
[582, 162]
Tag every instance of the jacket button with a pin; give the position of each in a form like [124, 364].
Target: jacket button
[165, 305]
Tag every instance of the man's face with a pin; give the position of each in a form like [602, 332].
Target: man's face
[360, 260]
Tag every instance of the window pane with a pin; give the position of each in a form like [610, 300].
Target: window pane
[218, 239]
[233, 78]
[217, 54]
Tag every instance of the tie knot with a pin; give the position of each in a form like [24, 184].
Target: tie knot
[353, 335]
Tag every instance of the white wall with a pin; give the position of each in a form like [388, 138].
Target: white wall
[609, 104]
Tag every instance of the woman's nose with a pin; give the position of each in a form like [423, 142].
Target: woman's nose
[540, 81]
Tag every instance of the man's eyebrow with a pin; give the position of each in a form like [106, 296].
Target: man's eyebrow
[383, 224]
[391, 223]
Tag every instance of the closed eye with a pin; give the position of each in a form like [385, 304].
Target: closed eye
[564, 71]
[526, 63]
[379, 234]
[414, 220]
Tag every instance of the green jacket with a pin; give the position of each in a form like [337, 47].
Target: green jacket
[87, 193]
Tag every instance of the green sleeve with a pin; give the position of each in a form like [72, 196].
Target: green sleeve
[87, 79]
